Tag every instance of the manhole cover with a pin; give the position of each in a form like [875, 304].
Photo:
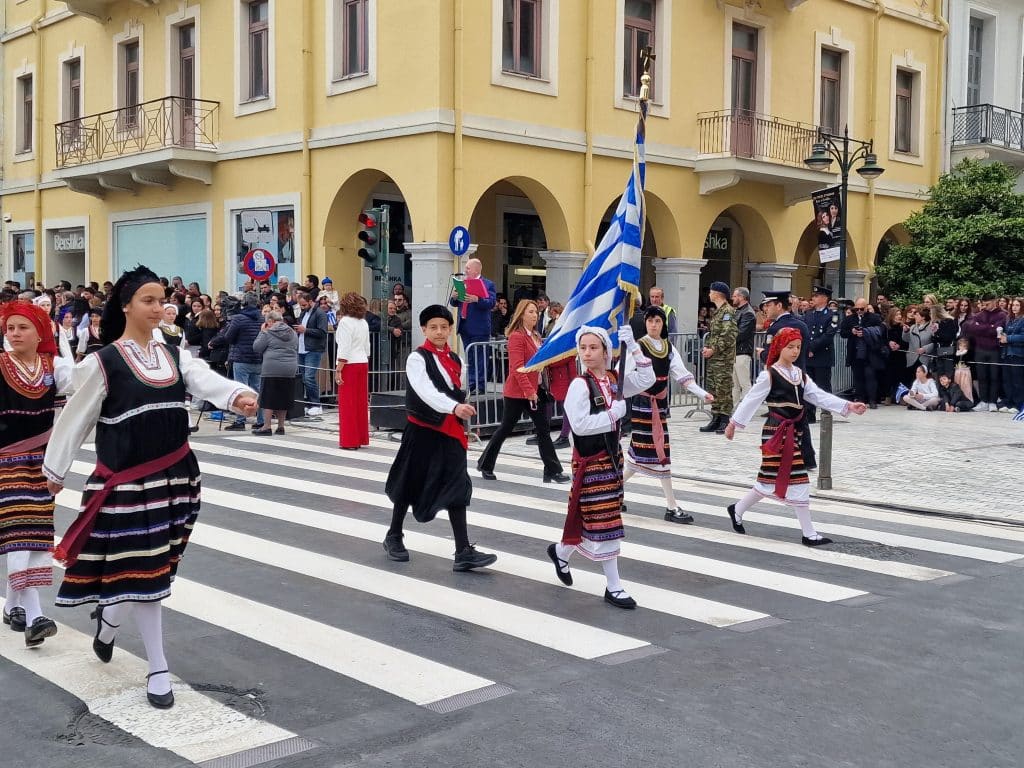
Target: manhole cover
[872, 550]
[86, 728]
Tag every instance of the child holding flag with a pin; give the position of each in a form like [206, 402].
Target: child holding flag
[593, 524]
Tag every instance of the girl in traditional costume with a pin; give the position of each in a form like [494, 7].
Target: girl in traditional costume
[168, 331]
[785, 389]
[649, 444]
[141, 501]
[593, 524]
[32, 374]
[429, 472]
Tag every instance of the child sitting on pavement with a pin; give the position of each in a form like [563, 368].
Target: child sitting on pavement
[923, 395]
[951, 398]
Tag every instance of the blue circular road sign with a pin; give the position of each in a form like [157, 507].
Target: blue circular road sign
[458, 241]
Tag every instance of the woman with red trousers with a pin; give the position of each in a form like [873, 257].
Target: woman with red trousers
[522, 395]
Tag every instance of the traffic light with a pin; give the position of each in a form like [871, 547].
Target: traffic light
[373, 236]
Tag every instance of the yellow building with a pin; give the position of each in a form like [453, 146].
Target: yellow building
[181, 133]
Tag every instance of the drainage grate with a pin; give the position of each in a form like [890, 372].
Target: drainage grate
[261, 755]
[469, 698]
[872, 550]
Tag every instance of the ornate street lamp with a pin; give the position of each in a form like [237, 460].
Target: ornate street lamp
[828, 148]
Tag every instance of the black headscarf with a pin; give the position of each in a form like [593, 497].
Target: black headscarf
[112, 324]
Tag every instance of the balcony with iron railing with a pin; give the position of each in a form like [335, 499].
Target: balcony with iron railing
[739, 144]
[990, 131]
[152, 143]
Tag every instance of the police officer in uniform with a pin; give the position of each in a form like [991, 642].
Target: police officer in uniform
[822, 324]
[776, 306]
[720, 357]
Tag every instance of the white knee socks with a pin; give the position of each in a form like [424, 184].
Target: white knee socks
[803, 514]
[750, 498]
[611, 573]
[670, 497]
[113, 615]
[149, 619]
[564, 552]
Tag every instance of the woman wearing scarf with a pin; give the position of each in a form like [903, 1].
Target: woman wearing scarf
[593, 523]
[648, 444]
[45, 302]
[31, 376]
[141, 502]
[167, 330]
[429, 472]
[784, 388]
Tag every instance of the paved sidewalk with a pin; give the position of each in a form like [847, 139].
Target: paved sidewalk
[952, 464]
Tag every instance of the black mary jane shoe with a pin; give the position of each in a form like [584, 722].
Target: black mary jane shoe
[563, 576]
[40, 629]
[618, 599]
[16, 619]
[678, 516]
[104, 651]
[738, 527]
[561, 477]
[160, 700]
[819, 542]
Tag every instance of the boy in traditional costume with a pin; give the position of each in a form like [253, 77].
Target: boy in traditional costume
[141, 501]
[785, 389]
[593, 524]
[429, 472]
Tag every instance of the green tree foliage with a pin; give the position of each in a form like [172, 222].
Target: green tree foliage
[967, 239]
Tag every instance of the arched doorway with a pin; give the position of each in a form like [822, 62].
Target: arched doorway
[367, 188]
[738, 236]
[895, 235]
[513, 221]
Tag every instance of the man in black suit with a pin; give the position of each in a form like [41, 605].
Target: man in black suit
[822, 323]
[864, 352]
[776, 306]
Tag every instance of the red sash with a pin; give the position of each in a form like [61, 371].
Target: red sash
[78, 532]
[572, 531]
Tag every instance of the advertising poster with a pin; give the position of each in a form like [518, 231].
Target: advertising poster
[828, 220]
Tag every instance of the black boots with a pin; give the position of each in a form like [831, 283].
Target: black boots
[718, 424]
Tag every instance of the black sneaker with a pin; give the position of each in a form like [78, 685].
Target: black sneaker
[236, 426]
[468, 558]
[16, 619]
[678, 516]
[41, 629]
[396, 549]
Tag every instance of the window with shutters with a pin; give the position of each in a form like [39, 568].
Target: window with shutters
[904, 127]
[24, 107]
[831, 91]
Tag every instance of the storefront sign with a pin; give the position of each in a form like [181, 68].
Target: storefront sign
[717, 244]
[69, 240]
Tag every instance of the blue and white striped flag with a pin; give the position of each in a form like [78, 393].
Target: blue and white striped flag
[901, 390]
[1019, 416]
[612, 278]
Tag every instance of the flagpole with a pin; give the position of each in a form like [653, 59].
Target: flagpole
[645, 91]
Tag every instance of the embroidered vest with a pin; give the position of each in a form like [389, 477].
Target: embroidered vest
[26, 410]
[414, 404]
[591, 445]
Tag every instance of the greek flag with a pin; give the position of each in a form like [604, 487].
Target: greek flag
[901, 390]
[612, 278]
[1019, 416]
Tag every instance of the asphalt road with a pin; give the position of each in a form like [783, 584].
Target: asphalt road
[294, 642]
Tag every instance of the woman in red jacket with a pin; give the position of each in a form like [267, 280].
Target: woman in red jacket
[521, 394]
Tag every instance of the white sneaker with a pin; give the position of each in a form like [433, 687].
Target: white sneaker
[316, 410]
[1006, 409]
[981, 406]
[993, 408]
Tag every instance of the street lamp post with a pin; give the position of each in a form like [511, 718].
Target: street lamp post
[827, 148]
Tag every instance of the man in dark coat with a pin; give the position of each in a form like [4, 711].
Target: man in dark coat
[866, 350]
[823, 324]
[776, 306]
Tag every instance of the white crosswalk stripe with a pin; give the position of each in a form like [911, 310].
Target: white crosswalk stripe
[680, 571]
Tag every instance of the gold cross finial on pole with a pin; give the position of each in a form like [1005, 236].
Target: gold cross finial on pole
[647, 57]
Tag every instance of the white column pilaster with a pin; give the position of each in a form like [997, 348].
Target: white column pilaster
[564, 269]
[680, 280]
[431, 279]
[769, 277]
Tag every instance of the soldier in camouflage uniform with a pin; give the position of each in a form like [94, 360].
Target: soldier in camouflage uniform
[720, 357]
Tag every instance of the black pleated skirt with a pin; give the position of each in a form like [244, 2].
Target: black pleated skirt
[429, 473]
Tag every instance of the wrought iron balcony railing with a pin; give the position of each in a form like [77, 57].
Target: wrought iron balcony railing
[988, 124]
[172, 121]
[761, 137]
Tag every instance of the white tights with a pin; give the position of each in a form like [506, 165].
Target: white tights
[149, 620]
[610, 566]
[666, 486]
[29, 569]
[802, 510]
